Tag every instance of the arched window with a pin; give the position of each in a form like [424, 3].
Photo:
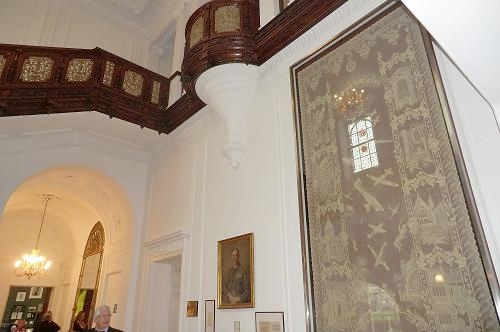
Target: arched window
[364, 152]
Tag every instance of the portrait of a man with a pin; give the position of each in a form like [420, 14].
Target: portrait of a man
[235, 272]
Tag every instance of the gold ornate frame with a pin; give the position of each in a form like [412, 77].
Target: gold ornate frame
[243, 274]
[93, 250]
[382, 248]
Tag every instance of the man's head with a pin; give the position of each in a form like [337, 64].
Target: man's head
[47, 316]
[235, 256]
[102, 317]
[20, 323]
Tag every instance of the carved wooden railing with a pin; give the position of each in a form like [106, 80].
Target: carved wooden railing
[219, 32]
[35, 80]
[240, 40]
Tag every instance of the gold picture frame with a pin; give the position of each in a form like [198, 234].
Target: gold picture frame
[235, 281]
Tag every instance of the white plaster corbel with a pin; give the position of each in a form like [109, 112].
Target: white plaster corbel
[229, 90]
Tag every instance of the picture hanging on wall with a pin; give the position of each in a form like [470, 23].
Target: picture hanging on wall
[269, 321]
[21, 296]
[36, 292]
[209, 315]
[391, 236]
[235, 285]
[192, 309]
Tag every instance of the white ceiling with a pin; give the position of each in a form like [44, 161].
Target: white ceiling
[150, 16]
[73, 215]
[114, 130]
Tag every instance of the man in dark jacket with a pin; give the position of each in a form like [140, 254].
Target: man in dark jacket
[102, 319]
[47, 325]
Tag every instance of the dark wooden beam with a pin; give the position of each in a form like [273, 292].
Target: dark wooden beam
[295, 20]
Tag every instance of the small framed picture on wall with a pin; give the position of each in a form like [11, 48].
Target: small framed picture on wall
[21, 296]
[209, 315]
[36, 292]
[269, 321]
[192, 309]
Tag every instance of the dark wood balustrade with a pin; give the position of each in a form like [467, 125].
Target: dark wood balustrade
[36, 80]
[219, 32]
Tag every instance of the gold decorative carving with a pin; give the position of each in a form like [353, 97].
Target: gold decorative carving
[95, 242]
[227, 18]
[108, 73]
[391, 241]
[79, 70]
[155, 95]
[37, 69]
[196, 31]
[3, 60]
[132, 83]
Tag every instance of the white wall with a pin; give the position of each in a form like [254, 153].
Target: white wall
[62, 23]
[262, 195]
[122, 220]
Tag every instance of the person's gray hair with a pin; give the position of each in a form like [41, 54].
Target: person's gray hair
[98, 310]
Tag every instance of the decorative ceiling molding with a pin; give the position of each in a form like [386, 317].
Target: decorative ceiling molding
[137, 7]
[106, 13]
[68, 139]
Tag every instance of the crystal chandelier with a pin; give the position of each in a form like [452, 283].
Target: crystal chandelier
[349, 99]
[34, 265]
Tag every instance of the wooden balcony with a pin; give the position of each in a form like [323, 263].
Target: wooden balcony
[37, 80]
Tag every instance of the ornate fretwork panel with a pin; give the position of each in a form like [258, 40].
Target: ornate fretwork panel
[108, 73]
[132, 83]
[155, 94]
[79, 70]
[37, 69]
[227, 18]
[2, 64]
[196, 31]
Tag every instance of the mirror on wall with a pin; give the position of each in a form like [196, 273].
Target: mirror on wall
[88, 282]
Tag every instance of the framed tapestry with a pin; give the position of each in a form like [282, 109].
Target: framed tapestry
[389, 226]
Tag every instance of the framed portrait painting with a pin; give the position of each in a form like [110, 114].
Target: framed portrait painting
[235, 283]
[392, 240]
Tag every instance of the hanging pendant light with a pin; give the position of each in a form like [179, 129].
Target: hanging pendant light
[34, 265]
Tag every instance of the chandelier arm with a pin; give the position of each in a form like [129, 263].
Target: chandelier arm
[41, 224]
